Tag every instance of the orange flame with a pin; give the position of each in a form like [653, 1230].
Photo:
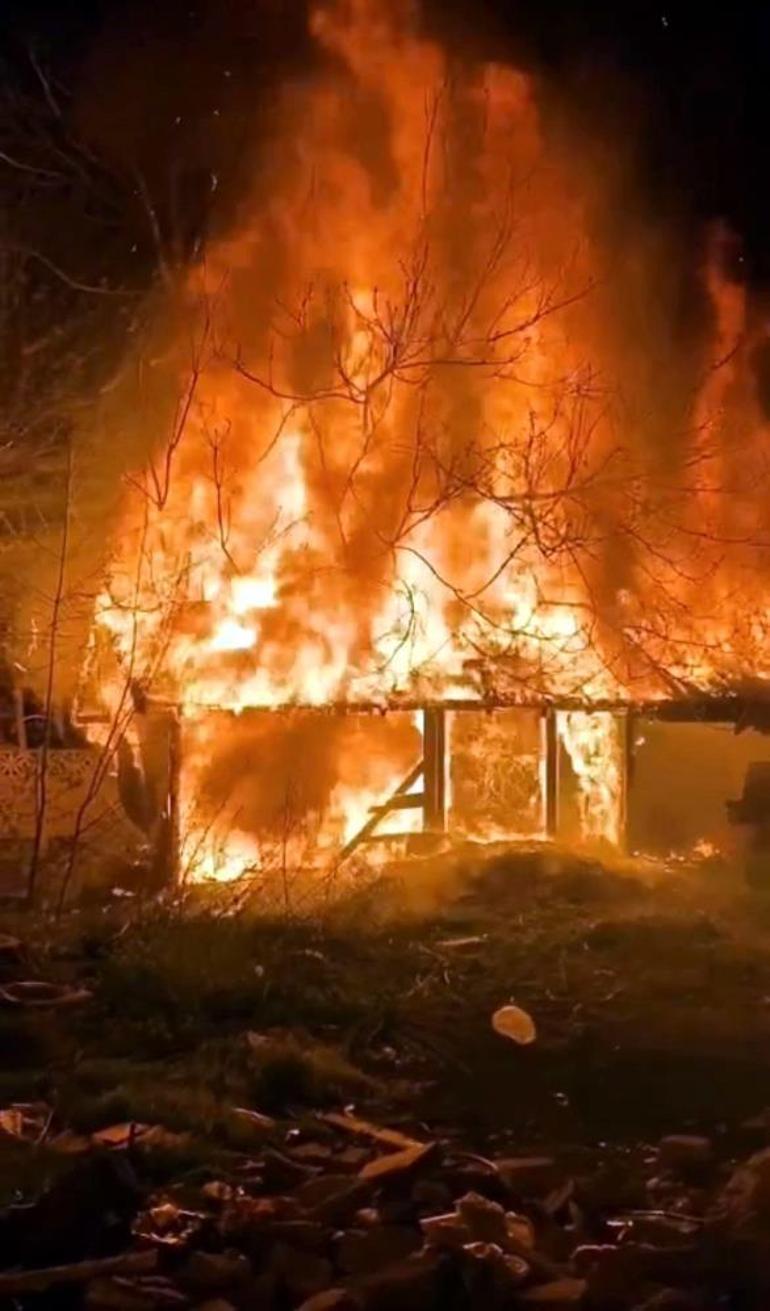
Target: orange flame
[594, 746]
[399, 470]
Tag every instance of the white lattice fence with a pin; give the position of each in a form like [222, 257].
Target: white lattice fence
[69, 775]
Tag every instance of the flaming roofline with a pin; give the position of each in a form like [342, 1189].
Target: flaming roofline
[749, 702]
[425, 787]
[748, 706]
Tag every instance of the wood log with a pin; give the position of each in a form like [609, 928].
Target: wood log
[16, 1282]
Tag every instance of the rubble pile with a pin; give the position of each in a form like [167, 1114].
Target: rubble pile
[334, 1213]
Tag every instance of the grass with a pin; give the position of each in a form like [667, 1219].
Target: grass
[184, 982]
[650, 998]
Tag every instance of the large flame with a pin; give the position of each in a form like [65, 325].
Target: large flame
[594, 745]
[401, 466]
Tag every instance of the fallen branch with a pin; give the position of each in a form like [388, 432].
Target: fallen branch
[80, 1272]
[36, 993]
[365, 1129]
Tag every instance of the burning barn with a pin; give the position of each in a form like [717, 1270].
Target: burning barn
[424, 522]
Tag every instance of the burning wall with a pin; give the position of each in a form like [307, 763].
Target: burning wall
[415, 453]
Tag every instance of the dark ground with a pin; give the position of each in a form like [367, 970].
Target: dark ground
[650, 990]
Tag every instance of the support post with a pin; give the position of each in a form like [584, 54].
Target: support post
[627, 735]
[434, 769]
[174, 818]
[550, 773]
[166, 858]
[21, 723]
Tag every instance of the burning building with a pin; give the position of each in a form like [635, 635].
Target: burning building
[428, 504]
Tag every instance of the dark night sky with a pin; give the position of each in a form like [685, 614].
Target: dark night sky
[692, 85]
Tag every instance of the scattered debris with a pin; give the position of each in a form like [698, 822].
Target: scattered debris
[332, 1299]
[514, 1023]
[362, 1251]
[685, 1153]
[120, 1135]
[17, 1283]
[28, 1122]
[324, 1209]
[559, 1295]
[400, 1165]
[37, 993]
[214, 1272]
[456, 944]
[262, 1125]
[87, 1211]
[406, 1231]
[529, 1176]
[364, 1128]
